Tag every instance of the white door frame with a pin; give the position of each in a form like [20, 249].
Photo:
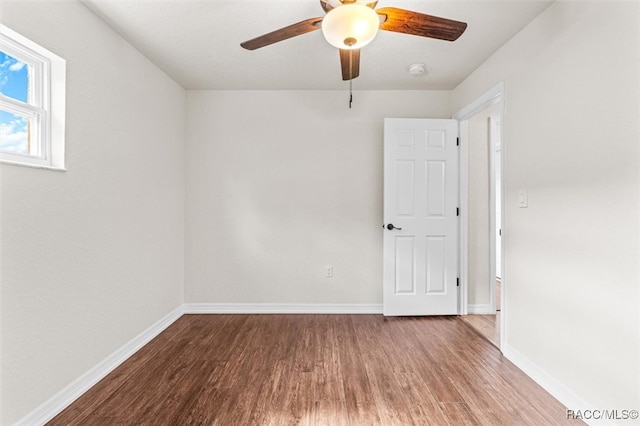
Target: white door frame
[491, 97]
[494, 164]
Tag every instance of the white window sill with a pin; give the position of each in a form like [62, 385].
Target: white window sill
[33, 166]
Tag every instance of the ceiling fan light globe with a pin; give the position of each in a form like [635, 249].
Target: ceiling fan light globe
[350, 26]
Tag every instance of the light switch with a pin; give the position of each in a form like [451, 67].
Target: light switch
[523, 199]
[328, 271]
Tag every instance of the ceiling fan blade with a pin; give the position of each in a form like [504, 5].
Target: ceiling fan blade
[350, 62]
[297, 29]
[408, 22]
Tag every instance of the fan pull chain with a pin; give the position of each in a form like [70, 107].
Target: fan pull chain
[350, 93]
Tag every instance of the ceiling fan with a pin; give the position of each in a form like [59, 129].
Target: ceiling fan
[351, 24]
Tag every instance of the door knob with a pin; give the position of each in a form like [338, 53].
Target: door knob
[390, 227]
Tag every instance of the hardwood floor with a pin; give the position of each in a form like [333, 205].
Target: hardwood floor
[316, 370]
[487, 325]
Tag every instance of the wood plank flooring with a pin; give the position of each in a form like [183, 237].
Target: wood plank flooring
[487, 325]
[316, 370]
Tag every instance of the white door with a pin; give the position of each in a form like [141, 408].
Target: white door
[420, 217]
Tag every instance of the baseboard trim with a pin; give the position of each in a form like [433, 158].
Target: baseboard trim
[480, 309]
[558, 390]
[54, 405]
[281, 308]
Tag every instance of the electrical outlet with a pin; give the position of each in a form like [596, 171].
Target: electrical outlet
[328, 271]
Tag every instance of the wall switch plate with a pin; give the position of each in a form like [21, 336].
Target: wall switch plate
[328, 271]
[523, 199]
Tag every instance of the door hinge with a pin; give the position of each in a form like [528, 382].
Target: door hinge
[457, 211]
[457, 282]
[457, 141]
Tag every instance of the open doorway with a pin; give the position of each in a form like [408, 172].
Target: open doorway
[481, 211]
[495, 200]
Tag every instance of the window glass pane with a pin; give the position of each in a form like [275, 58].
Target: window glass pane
[14, 78]
[15, 134]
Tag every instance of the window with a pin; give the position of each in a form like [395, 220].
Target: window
[32, 103]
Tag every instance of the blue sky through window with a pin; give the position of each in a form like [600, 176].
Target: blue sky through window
[14, 83]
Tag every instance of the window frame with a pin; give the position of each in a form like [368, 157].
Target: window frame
[45, 107]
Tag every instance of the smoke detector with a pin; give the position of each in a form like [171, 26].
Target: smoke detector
[417, 70]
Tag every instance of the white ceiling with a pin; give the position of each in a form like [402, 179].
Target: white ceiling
[197, 42]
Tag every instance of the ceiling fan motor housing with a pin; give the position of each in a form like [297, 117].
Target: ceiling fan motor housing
[327, 5]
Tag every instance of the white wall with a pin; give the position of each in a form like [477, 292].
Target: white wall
[572, 132]
[280, 184]
[92, 256]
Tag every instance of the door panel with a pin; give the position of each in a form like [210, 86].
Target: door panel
[420, 201]
[404, 188]
[435, 188]
[436, 262]
[405, 266]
